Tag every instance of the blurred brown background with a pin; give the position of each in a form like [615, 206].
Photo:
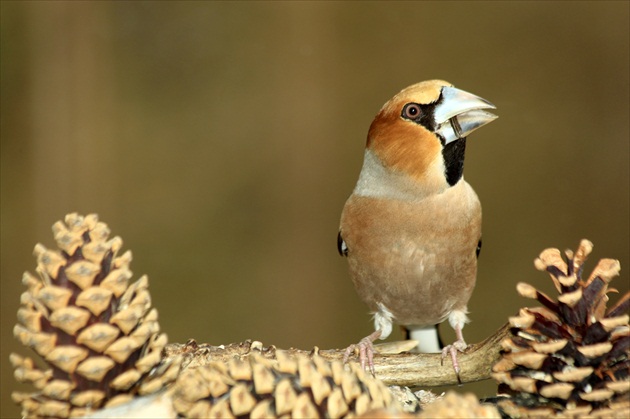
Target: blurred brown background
[220, 140]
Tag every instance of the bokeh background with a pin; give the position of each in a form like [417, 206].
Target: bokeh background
[221, 139]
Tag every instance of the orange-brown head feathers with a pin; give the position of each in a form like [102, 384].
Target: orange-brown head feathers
[401, 144]
[421, 132]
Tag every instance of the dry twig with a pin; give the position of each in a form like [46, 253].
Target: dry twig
[404, 369]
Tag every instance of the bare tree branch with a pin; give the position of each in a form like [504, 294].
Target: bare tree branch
[404, 369]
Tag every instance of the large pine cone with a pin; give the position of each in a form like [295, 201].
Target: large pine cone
[300, 387]
[95, 331]
[571, 355]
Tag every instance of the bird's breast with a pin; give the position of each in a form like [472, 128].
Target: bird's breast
[415, 257]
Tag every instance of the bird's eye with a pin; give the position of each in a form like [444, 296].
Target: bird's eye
[411, 111]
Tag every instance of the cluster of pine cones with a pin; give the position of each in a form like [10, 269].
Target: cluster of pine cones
[100, 345]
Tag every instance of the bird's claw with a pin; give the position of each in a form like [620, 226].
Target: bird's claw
[457, 346]
[366, 351]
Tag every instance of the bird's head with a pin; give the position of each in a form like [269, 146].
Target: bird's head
[421, 132]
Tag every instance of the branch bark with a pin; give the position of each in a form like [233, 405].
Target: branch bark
[404, 369]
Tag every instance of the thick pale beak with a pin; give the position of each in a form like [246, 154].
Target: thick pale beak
[459, 113]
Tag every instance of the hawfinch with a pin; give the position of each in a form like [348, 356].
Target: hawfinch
[411, 230]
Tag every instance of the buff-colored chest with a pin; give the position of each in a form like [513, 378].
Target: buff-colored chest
[417, 258]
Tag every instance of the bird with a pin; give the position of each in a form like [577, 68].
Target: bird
[411, 228]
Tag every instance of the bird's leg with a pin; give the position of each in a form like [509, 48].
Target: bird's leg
[382, 328]
[457, 319]
[366, 350]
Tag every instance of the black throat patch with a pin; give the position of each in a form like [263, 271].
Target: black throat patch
[453, 154]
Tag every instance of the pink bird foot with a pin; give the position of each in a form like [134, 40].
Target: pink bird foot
[458, 346]
[366, 351]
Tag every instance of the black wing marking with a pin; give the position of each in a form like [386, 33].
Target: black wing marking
[478, 248]
[341, 245]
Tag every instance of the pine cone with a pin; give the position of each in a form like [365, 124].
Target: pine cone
[455, 405]
[97, 334]
[288, 387]
[570, 356]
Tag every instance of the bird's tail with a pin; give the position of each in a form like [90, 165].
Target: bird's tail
[428, 338]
